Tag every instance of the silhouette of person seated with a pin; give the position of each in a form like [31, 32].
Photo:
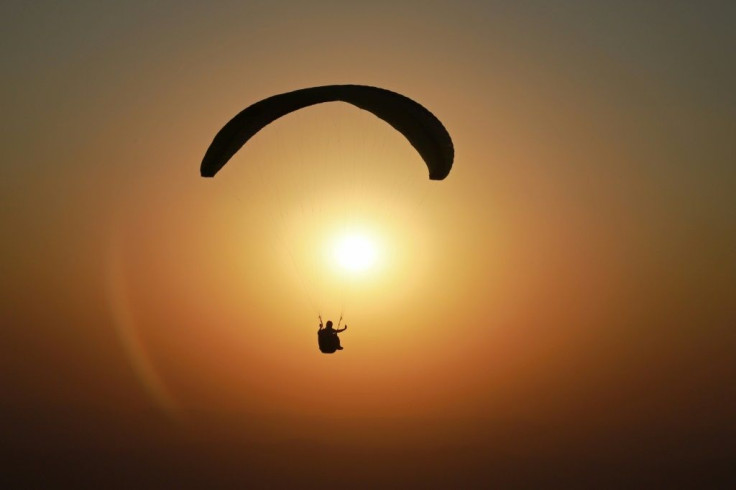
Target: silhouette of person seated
[327, 337]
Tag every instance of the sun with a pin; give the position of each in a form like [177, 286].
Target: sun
[355, 252]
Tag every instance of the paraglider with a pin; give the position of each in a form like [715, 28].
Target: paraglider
[418, 125]
[327, 338]
[423, 130]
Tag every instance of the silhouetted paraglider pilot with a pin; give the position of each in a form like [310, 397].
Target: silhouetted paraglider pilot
[327, 337]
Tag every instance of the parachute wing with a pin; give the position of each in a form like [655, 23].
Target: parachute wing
[423, 130]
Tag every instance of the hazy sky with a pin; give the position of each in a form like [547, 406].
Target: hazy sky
[561, 310]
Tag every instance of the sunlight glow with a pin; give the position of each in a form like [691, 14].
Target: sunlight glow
[355, 252]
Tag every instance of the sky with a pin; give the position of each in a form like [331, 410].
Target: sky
[559, 312]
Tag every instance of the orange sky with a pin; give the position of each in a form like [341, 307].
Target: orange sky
[568, 291]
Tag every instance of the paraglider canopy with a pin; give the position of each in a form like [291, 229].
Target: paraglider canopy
[423, 130]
